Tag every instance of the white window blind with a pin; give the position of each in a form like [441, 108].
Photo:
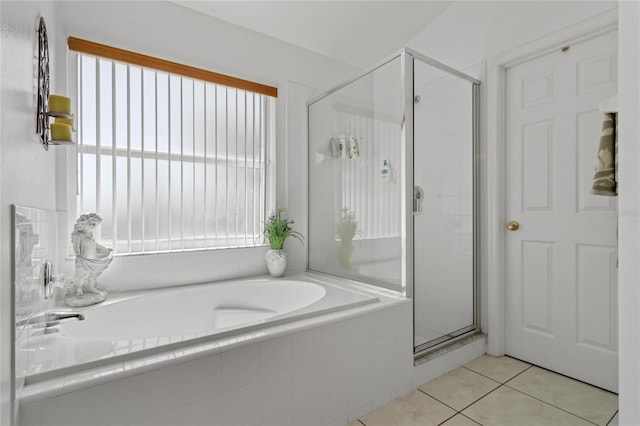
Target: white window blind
[170, 163]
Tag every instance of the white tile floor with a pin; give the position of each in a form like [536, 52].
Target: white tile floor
[498, 391]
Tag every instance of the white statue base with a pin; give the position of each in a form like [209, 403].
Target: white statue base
[86, 299]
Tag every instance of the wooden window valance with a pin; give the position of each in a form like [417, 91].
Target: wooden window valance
[114, 53]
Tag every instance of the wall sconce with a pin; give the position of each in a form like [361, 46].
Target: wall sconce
[57, 133]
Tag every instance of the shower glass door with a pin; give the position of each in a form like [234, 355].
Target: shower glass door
[443, 220]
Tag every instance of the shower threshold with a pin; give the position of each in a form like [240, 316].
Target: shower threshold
[449, 345]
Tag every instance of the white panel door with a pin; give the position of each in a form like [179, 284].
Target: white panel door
[561, 273]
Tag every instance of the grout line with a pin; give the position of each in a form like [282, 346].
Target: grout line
[465, 407]
[470, 419]
[520, 373]
[458, 413]
[482, 397]
[561, 375]
[491, 378]
[448, 418]
[614, 414]
[575, 380]
[551, 405]
[441, 402]
[361, 422]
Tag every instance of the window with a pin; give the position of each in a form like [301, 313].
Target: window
[171, 162]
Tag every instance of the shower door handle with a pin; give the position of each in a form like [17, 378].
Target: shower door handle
[418, 198]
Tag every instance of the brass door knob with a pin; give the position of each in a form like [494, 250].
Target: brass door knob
[513, 226]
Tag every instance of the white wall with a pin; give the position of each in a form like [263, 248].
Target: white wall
[183, 35]
[472, 31]
[26, 170]
[469, 33]
[296, 160]
[28, 174]
[629, 212]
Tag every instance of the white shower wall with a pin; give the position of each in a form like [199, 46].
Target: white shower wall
[372, 199]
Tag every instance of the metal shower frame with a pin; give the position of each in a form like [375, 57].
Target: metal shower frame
[407, 59]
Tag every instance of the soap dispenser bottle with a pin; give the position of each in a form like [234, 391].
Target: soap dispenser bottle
[385, 171]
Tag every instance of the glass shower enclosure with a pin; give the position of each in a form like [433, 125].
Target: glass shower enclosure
[392, 190]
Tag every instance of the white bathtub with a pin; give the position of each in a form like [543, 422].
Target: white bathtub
[134, 324]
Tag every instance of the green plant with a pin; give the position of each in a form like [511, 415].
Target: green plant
[347, 228]
[277, 229]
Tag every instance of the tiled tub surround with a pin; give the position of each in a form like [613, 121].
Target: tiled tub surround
[326, 370]
[141, 323]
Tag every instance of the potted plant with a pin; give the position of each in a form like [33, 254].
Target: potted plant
[346, 231]
[277, 229]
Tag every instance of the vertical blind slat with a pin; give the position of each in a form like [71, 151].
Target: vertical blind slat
[226, 167]
[114, 183]
[157, 204]
[246, 202]
[98, 130]
[263, 156]
[128, 158]
[181, 165]
[80, 185]
[215, 147]
[142, 209]
[169, 216]
[236, 194]
[206, 166]
[253, 156]
[193, 139]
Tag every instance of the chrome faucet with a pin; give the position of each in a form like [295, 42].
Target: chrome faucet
[54, 318]
[49, 319]
[57, 316]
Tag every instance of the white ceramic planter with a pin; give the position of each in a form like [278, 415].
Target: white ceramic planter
[276, 262]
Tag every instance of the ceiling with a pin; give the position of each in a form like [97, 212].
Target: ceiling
[360, 33]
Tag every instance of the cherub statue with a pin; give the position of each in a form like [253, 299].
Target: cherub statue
[91, 259]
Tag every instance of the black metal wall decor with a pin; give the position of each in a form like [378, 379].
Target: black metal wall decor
[42, 119]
